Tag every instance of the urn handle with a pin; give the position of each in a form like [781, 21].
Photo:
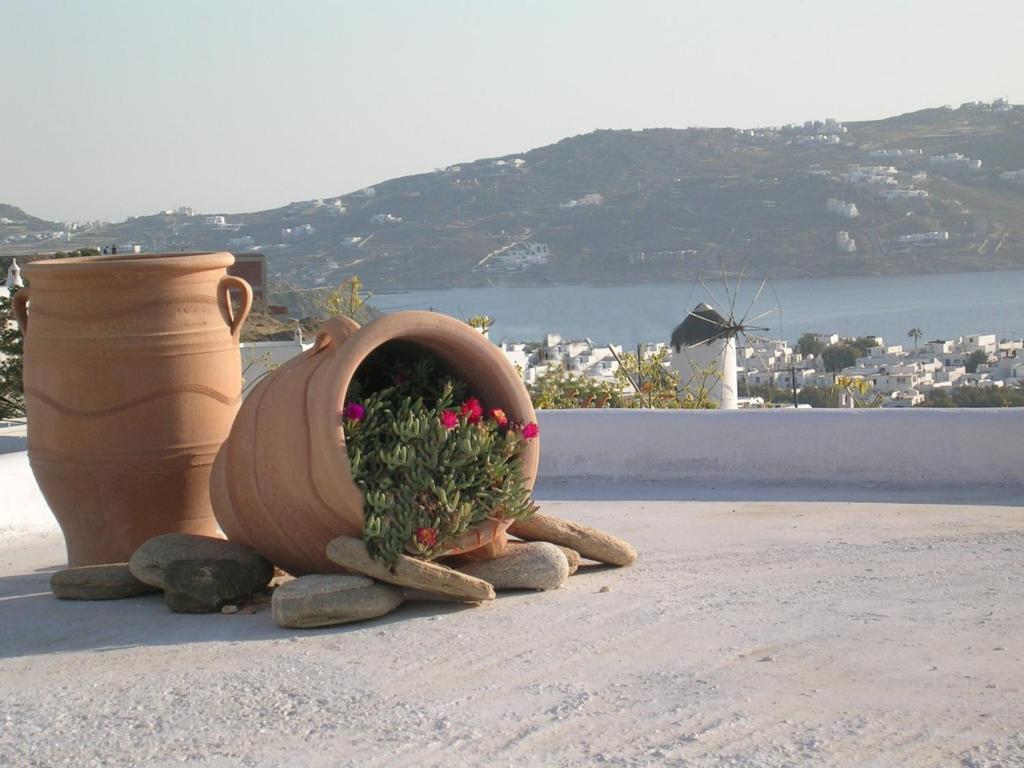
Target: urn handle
[224, 292]
[334, 331]
[19, 305]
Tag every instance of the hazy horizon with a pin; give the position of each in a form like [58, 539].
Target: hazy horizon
[118, 108]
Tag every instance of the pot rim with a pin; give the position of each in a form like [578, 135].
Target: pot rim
[135, 262]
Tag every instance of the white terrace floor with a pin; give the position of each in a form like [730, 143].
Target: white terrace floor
[761, 627]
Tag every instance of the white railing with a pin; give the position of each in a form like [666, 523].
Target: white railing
[911, 447]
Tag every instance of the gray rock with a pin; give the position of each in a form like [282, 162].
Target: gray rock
[151, 561]
[573, 557]
[591, 543]
[323, 601]
[533, 565]
[98, 582]
[205, 585]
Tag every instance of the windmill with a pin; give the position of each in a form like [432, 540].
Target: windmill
[713, 334]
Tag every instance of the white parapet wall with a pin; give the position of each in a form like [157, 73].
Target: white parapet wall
[907, 447]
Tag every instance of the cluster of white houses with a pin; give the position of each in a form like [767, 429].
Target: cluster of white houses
[898, 375]
[728, 366]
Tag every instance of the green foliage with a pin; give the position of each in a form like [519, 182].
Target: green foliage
[12, 399]
[424, 483]
[973, 360]
[809, 344]
[482, 323]
[79, 252]
[639, 383]
[975, 397]
[915, 334]
[561, 389]
[858, 389]
[349, 300]
[862, 344]
[816, 397]
[263, 361]
[839, 356]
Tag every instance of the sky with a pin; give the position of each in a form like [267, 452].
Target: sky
[111, 108]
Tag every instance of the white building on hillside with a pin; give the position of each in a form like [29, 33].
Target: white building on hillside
[842, 208]
[525, 255]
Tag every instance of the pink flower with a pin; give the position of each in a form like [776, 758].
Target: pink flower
[401, 379]
[499, 416]
[531, 430]
[472, 410]
[353, 412]
[449, 419]
[426, 537]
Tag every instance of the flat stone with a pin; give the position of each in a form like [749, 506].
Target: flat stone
[573, 558]
[327, 600]
[351, 554]
[533, 565]
[98, 582]
[205, 585]
[151, 561]
[589, 542]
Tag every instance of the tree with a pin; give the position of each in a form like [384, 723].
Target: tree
[349, 300]
[862, 344]
[644, 384]
[816, 397]
[973, 360]
[975, 397]
[560, 389]
[12, 398]
[915, 333]
[810, 344]
[481, 322]
[857, 389]
[839, 356]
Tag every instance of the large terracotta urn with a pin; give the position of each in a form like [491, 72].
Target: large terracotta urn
[281, 483]
[132, 379]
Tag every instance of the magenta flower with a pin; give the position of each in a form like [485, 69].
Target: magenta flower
[353, 412]
[531, 430]
[449, 419]
[472, 410]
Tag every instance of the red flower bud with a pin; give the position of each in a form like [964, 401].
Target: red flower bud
[426, 537]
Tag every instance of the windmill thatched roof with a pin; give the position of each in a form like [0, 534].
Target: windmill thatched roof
[702, 325]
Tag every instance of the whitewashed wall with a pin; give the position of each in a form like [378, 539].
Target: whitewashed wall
[892, 446]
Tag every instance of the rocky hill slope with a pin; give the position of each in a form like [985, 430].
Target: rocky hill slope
[631, 206]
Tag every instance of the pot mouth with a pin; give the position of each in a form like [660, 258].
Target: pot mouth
[135, 262]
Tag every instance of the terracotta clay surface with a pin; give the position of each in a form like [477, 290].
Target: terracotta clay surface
[281, 483]
[132, 379]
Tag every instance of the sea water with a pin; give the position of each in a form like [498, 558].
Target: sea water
[943, 306]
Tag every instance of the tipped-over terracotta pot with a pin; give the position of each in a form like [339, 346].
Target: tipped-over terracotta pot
[281, 483]
[132, 379]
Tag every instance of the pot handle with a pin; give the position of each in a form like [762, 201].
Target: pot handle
[334, 331]
[223, 291]
[19, 306]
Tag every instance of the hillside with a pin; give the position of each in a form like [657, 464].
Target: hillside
[631, 206]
